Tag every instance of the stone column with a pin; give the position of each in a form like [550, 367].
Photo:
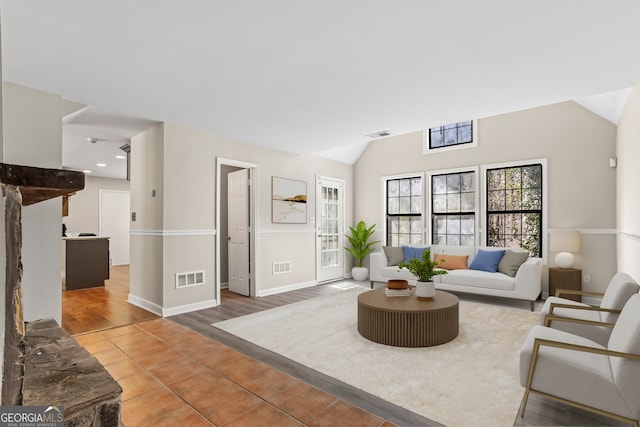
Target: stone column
[14, 324]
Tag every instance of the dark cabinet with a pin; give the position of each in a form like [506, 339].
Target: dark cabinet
[85, 262]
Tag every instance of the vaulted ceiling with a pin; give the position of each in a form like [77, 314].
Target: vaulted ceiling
[309, 76]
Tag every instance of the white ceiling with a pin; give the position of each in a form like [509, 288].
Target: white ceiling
[313, 76]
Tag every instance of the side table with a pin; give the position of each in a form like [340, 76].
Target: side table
[565, 278]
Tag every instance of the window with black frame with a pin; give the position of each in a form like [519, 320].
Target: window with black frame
[514, 207]
[404, 211]
[453, 209]
[450, 135]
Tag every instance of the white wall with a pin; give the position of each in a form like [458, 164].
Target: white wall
[145, 271]
[84, 215]
[581, 185]
[187, 234]
[84, 209]
[628, 177]
[32, 135]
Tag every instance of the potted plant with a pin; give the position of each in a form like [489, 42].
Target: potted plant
[424, 269]
[360, 248]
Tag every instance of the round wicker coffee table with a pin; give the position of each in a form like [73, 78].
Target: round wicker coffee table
[407, 321]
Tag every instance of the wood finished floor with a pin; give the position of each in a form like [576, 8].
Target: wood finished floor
[102, 307]
[105, 309]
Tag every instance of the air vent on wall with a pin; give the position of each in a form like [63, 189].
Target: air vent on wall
[380, 134]
[192, 278]
[282, 267]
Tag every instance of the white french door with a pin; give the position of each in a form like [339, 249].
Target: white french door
[330, 229]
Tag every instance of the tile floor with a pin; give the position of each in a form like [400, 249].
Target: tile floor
[171, 376]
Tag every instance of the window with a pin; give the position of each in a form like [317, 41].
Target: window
[404, 211]
[454, 135]
[453, 206]
[514, 207]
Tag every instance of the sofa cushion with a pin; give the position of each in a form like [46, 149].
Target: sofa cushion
[487, 260]
[409, 252]
[394, 254]
[511, 262]
[451, 262]
[477, 279]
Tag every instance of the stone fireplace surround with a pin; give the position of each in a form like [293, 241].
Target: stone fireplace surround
[42, 365]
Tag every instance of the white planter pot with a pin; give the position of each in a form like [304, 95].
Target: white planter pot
[425, 290]
[359, 273]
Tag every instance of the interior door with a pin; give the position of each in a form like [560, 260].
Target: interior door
[238, 239]
[114, 223]
[330, 232]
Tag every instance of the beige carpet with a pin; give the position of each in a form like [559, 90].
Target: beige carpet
[472, 380]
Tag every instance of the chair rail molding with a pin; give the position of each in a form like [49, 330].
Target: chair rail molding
[628, 234]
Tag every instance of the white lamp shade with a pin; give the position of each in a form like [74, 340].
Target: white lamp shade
[565, 241]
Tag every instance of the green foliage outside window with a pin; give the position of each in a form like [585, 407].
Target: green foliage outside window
[514, 207]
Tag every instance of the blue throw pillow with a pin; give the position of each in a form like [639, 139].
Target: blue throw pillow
[409, 252]
[487, 260]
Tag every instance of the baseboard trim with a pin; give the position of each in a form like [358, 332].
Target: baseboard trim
[171, 311]
[188, 308]
[144, 304]
[279, 290]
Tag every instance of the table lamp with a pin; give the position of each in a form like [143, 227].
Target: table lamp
[565, 242]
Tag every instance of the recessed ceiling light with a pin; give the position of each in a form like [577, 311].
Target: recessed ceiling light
[102, 165]
[86, 171]
[121, 157]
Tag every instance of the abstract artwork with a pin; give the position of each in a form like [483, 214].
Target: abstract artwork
[288, 201]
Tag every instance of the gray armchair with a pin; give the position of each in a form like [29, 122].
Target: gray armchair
[588, 321]
[577, 371]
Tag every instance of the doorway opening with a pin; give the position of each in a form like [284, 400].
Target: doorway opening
[114, 223]
[235, 225]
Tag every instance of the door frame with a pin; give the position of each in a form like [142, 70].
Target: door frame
[253, 214]
[319, 225]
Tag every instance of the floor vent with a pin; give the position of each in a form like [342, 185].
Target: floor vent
[282, 267]
[191, 278]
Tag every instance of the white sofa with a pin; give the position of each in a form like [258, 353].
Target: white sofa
[526, 285]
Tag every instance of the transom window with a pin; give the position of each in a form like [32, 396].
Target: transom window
[514, 207]
[451, 135]
[453, 207]
[404, 211]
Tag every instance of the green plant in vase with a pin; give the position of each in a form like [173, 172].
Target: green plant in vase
[360, 248]
[424, 269]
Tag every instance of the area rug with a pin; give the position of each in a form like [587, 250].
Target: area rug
[472, 380]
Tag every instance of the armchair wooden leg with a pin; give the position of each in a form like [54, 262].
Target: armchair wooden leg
[532, 367]
[525, 398]
[532, 304]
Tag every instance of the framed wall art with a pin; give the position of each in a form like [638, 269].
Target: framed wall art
[288, 201]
